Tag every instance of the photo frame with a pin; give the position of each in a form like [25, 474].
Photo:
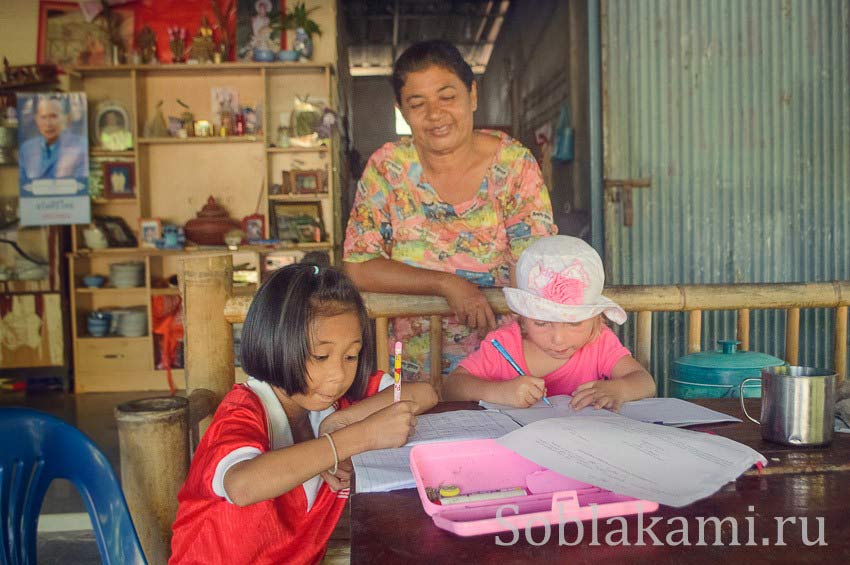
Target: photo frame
[313, 181]
[119, 179]
[116, 230]
[254, 227]
[66, 39]
[150, 230]
[299, 222]
[112, 128]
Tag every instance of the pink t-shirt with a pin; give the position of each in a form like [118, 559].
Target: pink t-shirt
[592, 362]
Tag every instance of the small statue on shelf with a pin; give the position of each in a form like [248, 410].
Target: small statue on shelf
[203, 46]
[146, 44]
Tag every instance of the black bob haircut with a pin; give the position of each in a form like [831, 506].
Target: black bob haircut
[424, 54]
[276, 334]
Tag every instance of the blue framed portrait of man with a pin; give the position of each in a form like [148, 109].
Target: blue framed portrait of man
[53, 159]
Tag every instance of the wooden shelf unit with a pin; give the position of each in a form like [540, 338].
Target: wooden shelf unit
[173, 179]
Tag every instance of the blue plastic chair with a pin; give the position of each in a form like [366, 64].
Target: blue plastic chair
[37, 448]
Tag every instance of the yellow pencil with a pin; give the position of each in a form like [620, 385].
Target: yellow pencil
[397, 385]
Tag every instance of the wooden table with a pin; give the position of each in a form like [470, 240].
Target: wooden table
[810, 483]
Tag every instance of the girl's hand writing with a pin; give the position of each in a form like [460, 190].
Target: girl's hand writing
[599, 394]
[391, 426]
[522, 392]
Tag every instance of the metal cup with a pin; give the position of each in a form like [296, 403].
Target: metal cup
[797, 405]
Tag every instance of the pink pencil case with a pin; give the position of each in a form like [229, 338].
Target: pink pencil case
[485, 466]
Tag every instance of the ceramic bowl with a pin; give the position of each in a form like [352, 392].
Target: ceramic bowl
[264, 55]
[94, 281]
[288, 55]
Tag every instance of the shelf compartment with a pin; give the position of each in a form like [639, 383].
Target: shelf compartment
[191, 140]
[111, 290]
[319, 149]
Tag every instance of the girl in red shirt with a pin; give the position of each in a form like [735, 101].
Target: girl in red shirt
[270, 477]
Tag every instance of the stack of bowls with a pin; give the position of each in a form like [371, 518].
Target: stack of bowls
[98, 323]
[128, 274]
[130, 322]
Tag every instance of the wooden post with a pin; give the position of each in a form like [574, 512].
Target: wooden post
[744, 329]
[382, 338]
[153, 437]
[839, 346]
[694, 330]
[792, 336]
[436, 353]
[206, 283]
[643, 347]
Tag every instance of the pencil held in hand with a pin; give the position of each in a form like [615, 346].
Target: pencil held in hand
[504, 353]
[397, 371]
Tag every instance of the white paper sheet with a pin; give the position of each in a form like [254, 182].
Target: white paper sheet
[389, 469]
[658, 463]
[667, 411]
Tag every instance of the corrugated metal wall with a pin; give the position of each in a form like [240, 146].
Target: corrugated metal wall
[740, 113]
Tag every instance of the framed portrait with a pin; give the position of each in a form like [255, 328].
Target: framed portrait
[112, 129]
[254, 227]
[116, 230]
[150, 230]
[304, 182]
[119, 179]
[66, 38]
[299, 222]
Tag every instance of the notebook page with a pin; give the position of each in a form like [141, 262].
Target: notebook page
[667, 411]
[389, 469]
[658, 463]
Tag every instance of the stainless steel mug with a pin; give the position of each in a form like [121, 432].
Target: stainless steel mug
[797, 405]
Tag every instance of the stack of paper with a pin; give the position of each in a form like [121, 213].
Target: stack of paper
[389, 469]
[658, 463]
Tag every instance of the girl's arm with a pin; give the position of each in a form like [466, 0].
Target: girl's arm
[422, 394]
[278, 471]
[521, 392]
[629, 381]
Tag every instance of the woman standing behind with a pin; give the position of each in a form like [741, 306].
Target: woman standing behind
[445, 213]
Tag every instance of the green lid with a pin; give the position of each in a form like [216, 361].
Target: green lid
[728, 357]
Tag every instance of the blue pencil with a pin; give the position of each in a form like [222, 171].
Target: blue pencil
[504, 353]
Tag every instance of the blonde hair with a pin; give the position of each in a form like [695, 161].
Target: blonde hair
[598, 323]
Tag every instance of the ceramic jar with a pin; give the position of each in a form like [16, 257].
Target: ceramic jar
[210, 225]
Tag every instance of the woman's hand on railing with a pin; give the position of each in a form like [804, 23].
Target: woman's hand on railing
[469, 304]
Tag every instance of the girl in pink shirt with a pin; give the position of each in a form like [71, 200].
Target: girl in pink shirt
[560, 341]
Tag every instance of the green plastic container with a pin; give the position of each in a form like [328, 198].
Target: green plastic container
[718, 374]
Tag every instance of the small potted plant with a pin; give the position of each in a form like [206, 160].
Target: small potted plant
[299, 20]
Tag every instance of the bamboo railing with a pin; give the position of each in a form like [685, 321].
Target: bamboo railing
[210, 308]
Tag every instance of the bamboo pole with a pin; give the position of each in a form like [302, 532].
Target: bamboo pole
[382, 338]
[206, 283]
[839, 346]
[670, 298]
[744, 329]
[792, 336]
[153, 438]
[694, 331]
[436, 353]
[643, 348]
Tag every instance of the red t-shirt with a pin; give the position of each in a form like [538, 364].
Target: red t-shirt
[209, 529]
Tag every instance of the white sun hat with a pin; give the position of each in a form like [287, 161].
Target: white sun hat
[560, 279]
